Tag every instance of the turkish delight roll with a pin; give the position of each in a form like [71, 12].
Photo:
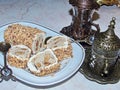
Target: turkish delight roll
[43, 63]
[26, 35]
[18, 56]
[61, 46]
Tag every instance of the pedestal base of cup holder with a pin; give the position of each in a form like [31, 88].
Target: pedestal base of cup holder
[114, 77]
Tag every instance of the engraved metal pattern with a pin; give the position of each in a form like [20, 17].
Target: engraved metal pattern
[102, 61]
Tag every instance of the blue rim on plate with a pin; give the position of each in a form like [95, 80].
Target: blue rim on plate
[68, 70]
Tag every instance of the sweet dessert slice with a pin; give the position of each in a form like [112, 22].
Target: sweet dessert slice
[18, 56]
[32, 37]
[43, 63]
[61, 46]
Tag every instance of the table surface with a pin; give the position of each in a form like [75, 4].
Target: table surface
[54, 14]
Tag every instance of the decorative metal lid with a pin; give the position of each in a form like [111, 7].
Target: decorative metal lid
[107, 43]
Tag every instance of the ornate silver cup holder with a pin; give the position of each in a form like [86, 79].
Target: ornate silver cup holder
[85, 69]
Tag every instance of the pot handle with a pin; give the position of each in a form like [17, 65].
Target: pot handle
[96, 26]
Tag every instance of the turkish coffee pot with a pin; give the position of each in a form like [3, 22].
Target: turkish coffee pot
[105, 51]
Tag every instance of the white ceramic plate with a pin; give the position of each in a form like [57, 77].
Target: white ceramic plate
[68, 69]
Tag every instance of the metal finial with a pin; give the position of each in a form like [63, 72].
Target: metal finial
[112, 23]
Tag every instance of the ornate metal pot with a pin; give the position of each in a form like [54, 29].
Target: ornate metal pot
[102, 60]
[105, 51]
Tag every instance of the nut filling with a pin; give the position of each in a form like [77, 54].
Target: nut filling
[29, 50]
